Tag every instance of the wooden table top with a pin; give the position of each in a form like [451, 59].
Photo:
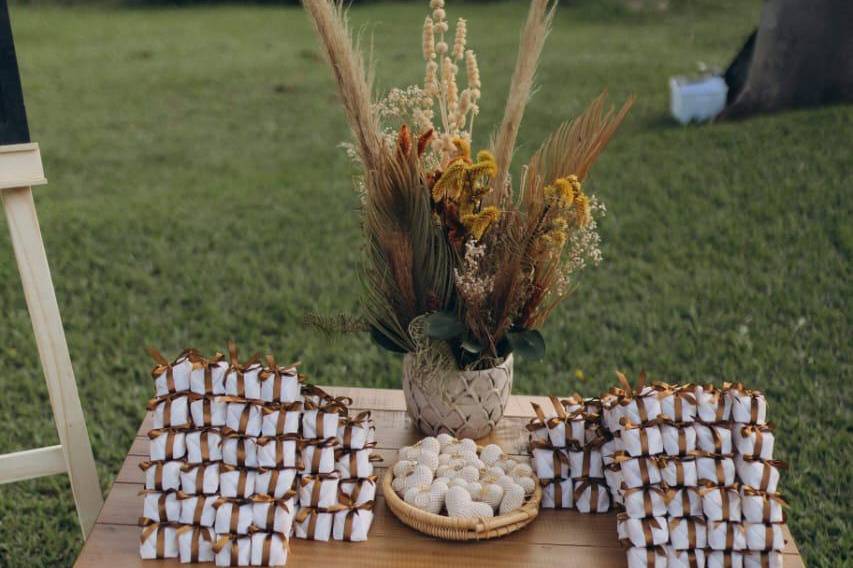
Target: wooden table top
[555, 539]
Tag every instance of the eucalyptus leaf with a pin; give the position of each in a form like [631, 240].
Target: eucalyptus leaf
[443, 325]
[528, 343]
[472, 346]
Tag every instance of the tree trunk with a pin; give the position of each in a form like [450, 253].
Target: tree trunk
[803, 56]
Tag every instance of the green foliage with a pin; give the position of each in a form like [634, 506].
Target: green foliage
[196, 195]
[443, 325]
[528, 343]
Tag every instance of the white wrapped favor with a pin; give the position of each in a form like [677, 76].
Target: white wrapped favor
[355, 492]
[167, 445]
[319, 490]
[281, 419]
[760, 507]
[713, 438]
[171, 377]
[641, 440]
[357, 432]
[613, 477]
[610, 448]
[280, 384]
[352, 525]
[760, 536]
[771, 559]
[755, 441]
[208, 411]
[678, 471]
[232, 550]
[200, 478]
[748, 406]
[684, 558]
[644, 502]
[557, 493]
[233, 517]
[235, 482]
[244, 418]
[647, 532]
[275, 482]
[721, 504]
[586, 463]
[726, 536]
[318, 456]
[204, 446]
[550, 462]
[244, 381]
[641, 407]
[678, 405]
[208, 375]
[240, 451]
[716, 470]
[678, 440]
[639, 472]
[170, 412]
[196, 544]
[318, 424]
[269, 549]
[713, 404]
[591, 496]
[687, 533]
[280, 452]
[355, 463]
[314, 524]
[274, 515]
[158, 541]
[759, 474]
[161, 507]
[199, 510]
[641, 557]
[723, 559]
[162, 476]
[684, 502]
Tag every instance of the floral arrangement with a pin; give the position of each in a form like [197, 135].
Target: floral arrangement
[461, 262]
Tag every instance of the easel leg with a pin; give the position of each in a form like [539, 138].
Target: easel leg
[53, 352]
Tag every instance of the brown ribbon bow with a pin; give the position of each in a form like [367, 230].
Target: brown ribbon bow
[199, 533]
[234, 366]
[759, 430]
[358, 486]
[148, 527]
[593, 484]
[200, 362]
[272, 370]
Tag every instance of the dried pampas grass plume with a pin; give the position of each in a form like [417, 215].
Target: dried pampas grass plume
[533, 36]
[353, 78]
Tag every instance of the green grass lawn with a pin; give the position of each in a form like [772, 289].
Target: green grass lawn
[197, 194]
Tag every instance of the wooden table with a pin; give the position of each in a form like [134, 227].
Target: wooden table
[554, 539]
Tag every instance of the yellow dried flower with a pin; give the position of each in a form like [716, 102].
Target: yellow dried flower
[582, 210]
[485, 166]
[463, 147]
[451, 181]
[575, 183]
[478, 223]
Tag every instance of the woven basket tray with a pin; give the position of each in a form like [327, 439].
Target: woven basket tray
[449, 528]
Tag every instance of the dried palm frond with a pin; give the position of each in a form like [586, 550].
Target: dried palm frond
[574, 146]
[533, 36]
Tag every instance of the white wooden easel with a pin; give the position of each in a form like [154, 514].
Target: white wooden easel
[21, 168]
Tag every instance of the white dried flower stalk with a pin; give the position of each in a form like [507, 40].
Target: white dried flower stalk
[459, 40]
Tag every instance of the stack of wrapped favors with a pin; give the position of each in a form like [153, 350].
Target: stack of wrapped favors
[566, 447]
[687, 464]
[242, 455]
